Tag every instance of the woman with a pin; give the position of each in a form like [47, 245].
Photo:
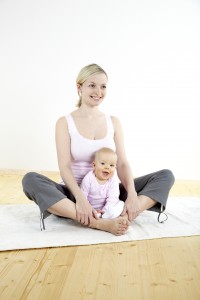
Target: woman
[78, 136]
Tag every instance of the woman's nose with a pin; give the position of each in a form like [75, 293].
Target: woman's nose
[98, 91]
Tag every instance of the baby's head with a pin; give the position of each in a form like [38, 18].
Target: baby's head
[105, 163]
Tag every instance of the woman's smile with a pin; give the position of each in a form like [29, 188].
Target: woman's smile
[95, 98]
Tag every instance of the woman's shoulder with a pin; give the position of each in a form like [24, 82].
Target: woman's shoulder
[67, 115]
[116, 121]
[61, 120]
[61, 123]
[114, 118]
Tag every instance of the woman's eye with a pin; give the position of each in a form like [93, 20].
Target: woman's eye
[104, 86]
[92, 85]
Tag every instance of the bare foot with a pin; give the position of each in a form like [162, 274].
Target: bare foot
[117, 226]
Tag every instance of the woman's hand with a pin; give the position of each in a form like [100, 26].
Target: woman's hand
[131, 207]
[84, 211]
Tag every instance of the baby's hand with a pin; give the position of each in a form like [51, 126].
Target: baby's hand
[100, 213]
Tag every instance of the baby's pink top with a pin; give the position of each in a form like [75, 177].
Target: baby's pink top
[100, 196]
[83, 149]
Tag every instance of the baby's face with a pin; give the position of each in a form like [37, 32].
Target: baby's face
[105, 165]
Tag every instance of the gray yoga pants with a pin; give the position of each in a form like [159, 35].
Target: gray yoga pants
[45, 192]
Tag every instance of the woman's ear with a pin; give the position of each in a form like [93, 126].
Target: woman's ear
[79, 89]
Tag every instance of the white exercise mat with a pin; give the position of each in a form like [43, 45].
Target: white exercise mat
[20, 226]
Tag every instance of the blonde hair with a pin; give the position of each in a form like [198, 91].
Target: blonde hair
[85, 73]
[104, 150]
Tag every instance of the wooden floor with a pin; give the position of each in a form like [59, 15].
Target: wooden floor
[159, 269]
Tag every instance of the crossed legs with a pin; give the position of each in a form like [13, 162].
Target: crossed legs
[151, 188]
[66, 208]
[118, 226]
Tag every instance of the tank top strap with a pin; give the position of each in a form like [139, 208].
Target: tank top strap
[70, 123]
[110, 125]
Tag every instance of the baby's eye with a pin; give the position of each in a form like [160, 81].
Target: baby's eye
[102, 163]
[112, 166]
[104, 86]
[92, 85]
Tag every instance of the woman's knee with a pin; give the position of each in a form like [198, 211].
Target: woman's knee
[169, 176]
[29, 179]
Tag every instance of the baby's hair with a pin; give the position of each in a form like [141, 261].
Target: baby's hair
[104, 150]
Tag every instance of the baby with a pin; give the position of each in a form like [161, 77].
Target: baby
[101, 185]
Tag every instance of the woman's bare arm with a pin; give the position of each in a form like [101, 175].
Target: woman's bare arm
[83, 207]
[124, 173]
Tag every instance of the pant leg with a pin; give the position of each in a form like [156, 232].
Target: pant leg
[44, 191]
[154, 185]
[113, 211]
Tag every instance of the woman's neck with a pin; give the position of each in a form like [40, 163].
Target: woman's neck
[88, 111]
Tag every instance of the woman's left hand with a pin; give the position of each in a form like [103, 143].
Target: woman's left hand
[131, 207]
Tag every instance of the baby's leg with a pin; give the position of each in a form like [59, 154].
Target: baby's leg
[113, 211]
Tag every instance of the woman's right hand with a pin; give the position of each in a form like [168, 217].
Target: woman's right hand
[84, 211]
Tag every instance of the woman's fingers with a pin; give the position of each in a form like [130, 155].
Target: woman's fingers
[132, 214]
[84, 218]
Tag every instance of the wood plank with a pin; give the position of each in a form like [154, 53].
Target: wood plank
[34, 273]
[161, 268]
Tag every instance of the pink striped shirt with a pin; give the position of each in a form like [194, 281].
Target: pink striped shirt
[100, 196]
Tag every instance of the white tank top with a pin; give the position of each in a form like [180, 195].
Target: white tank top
[83, 149]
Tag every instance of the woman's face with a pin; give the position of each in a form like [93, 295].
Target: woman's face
[93, 90]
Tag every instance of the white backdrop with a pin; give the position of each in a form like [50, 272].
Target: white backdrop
[150, 50]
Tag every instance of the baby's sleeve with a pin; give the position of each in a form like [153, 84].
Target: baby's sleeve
[112, 193]
[85, 185]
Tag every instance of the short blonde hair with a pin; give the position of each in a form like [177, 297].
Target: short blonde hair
[85, 73]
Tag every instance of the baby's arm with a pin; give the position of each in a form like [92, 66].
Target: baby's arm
[112, 196]
[113, 207]
[85, 188]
